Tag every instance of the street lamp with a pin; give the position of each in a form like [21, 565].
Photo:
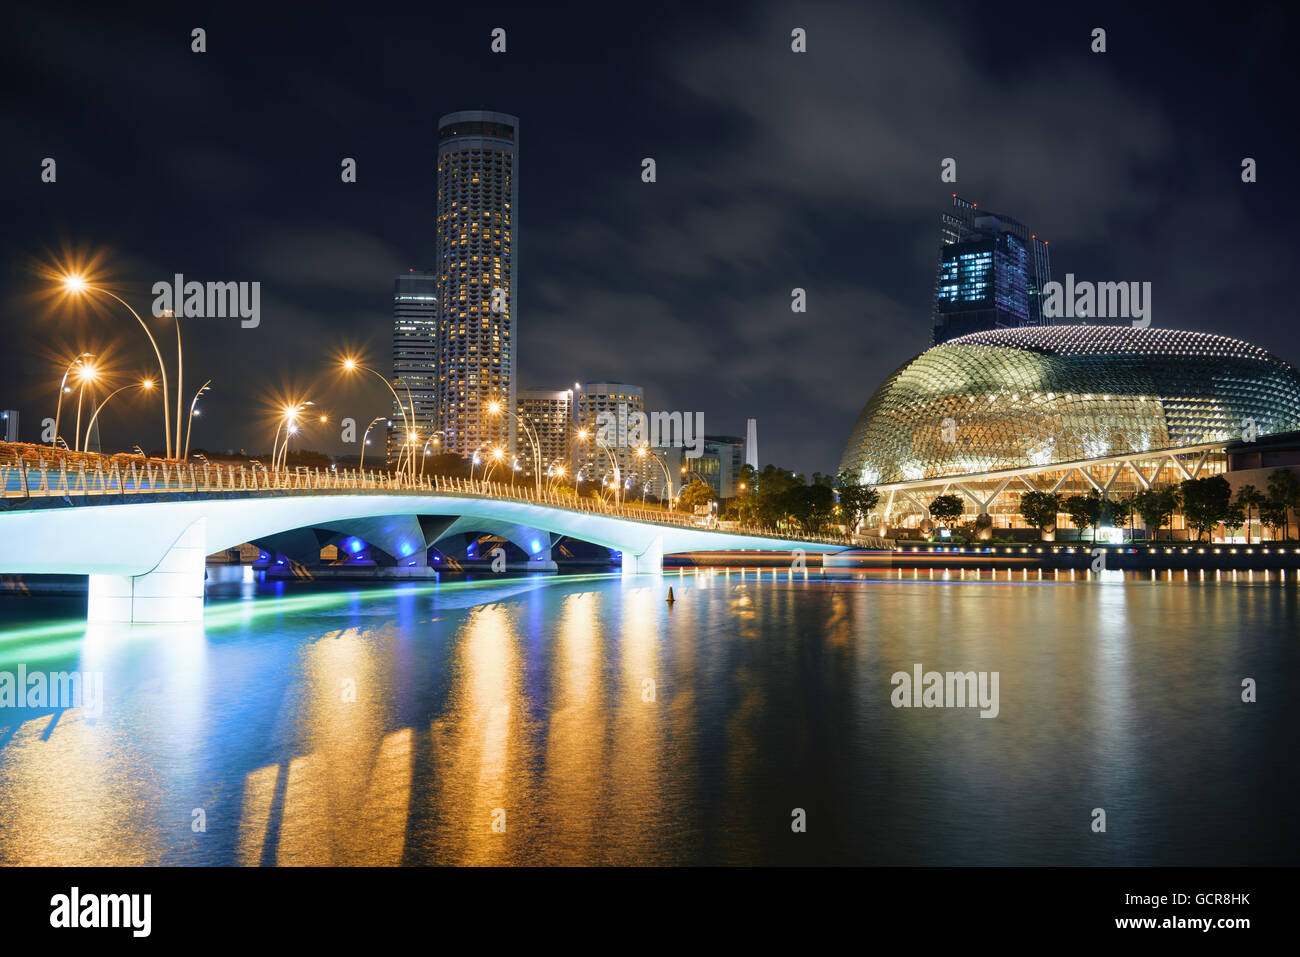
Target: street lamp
[289, 422]
[85, 373]
[350, 364]
[642, 452]
[144, 385]
[496, 408]
[431, 440]
[365, 440]
[190, 422]
[582, 437]
[63, 387]
[77, 285]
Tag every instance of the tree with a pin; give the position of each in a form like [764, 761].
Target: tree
[1272, 514]
[1121, 511]
[770, 505]
[856, 500]
[1040, 509]
[1284, 492]
[1086, 511]
[1234, 518]
[1249, 498]
[696, 494]
[810, 505]
[946, 509]
[1157, 506]
[1205, 502]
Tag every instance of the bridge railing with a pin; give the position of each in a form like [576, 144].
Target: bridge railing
[28, 476]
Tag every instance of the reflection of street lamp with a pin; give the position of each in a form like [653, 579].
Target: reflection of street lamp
[77, 285]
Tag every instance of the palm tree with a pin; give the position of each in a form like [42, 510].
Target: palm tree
[1249, 497]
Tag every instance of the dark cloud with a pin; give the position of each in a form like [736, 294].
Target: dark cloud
[775, 170]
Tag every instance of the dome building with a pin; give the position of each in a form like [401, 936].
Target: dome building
[1066, 409]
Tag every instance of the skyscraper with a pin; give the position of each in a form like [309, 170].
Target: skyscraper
[415, 356]
[478, 192]
[991, 273]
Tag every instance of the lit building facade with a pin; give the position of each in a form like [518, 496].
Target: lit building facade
[718, 465]
[618, 400]
[991, 273]
[549, 415]
[478, 202]
[415, 358]
[1065, 409]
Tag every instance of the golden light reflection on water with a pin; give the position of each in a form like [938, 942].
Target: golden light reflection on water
[635, 804]
[477, 746]
[575, 736]
[594, 726]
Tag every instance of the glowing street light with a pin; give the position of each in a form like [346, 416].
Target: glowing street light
[193, 412]
[144, 385]
[63, 388]
[86, 372]
[77, 285]
[496, 408]
[288, 421]
[351, 364]
[641, 453]
[365, 439]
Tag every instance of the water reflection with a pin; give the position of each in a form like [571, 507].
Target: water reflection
[587, 720]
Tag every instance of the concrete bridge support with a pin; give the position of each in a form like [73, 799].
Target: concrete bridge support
[171, 591]
[649, 562]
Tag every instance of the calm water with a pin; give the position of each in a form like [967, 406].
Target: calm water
[529, 702]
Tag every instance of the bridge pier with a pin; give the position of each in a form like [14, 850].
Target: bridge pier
[649, 562]
[171, 591]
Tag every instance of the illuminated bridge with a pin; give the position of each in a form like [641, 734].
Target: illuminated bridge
[142, 529]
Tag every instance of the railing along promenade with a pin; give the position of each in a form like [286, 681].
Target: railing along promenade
[28, 475]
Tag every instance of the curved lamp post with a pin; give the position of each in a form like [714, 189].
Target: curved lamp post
[85, 373]
[77, 285]
[582, 437]
[641, 453]
[63, 387]
[145, 385]
[350, 365]
[496, 408]
[365, 439]
[189, 424]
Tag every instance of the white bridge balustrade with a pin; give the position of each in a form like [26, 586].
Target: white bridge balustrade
[135, 525]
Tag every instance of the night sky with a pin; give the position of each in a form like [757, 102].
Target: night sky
[775, 170]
